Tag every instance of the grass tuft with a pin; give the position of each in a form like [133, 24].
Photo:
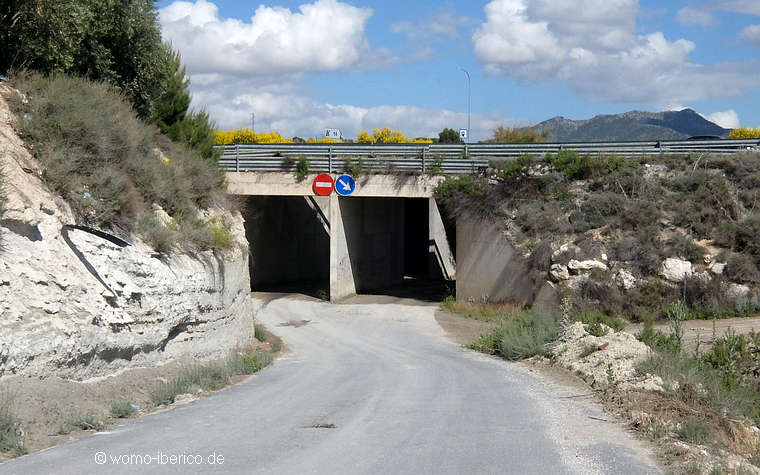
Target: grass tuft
[77, 421]
[122, 409]
[527, 334]
[11, 439]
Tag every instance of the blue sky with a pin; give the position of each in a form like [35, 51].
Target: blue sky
[304, 66]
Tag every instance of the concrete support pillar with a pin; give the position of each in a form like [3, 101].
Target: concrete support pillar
[441, 258]
[341, 273]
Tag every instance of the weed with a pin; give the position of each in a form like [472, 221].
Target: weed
[11, 439]
[80, 421]
[589, 349]
[259, 333]
[610, 372]
[209, 376]
[694, 431]
[527, 334]
[596, 319]
[676, 314]
[656, 428]
[122, 409]
[595, 329]
[276, 346]
[302, 169]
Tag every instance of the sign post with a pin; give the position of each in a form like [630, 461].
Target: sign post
[323, 185]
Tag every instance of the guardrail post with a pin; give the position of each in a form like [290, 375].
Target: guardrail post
[237, 157]
[423, 160]
[329, 159]
[466, 155]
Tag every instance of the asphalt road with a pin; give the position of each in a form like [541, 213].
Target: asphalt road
[364, 389]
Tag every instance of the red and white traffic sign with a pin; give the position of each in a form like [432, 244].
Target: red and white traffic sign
[323, 184]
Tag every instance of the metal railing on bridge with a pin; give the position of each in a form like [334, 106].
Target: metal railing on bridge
[447, 159]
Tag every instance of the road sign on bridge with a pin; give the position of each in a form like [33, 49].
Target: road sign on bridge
[345, 185]
[323, 184]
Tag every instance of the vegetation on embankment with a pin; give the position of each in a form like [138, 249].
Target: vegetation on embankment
[112, 167]
[629, 215]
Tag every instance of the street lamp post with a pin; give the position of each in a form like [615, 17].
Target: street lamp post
[469, 96]
[253, 121]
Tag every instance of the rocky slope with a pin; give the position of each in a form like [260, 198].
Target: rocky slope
[78, 304]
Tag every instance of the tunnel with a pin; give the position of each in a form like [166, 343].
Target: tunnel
[332, 247]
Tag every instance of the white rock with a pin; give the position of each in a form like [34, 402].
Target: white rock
[675, 270]
[562, 248]
[559, 272]
[654, 171]
[578, 281]
[718, 268]
[586, 265]
[625, 279]
[738, 292]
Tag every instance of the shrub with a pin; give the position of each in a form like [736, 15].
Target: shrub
[573, 165]
[355, 168]
[744, 133]
[747, 236]
[11, 438]
[453, 185]
[703, 202]
[694, 430]
[684, 247]
[302, 169]
[538, 218]
[598, 210]
[80, 421]
[503, 134]
[527, 334]
[107, 163]
[742, 268]
[513, 169]
[122, 409]
[657, 340]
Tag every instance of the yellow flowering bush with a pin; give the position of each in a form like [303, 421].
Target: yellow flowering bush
[246, 135]
[745, 133]
[388, 135]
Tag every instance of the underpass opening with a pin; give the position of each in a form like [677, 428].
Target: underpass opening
[388, 248]
[289, 244]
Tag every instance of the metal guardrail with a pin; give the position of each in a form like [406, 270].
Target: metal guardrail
[448, 159]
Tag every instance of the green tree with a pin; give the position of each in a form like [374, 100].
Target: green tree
[171, 107]
[197, 131]
[118, 41]
[449, 136]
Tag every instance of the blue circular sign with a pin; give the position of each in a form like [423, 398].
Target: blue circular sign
[345, 185]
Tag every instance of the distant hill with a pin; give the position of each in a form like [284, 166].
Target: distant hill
[634, 125]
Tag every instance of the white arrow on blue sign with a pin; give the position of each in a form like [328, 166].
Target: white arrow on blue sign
[345, 185]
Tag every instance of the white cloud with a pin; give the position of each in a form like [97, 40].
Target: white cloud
[593, 45]
[440, 24]
[748, 7]
[752, 34]
[284, 109]
[727, 119]
[695, 16]
[326, 35]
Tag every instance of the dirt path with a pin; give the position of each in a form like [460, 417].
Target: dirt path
[704, 330]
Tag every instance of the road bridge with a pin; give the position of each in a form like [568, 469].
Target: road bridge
[387, 230]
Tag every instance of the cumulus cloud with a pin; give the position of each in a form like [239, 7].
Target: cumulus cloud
[599, 53]
[695, 16]
[326, 35]
[727, 119]
[286, 110]
[442, 24]
[752, 34]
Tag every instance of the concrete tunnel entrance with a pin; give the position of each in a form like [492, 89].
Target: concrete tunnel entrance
[334, 247]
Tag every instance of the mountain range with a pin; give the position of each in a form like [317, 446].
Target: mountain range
[634, 125]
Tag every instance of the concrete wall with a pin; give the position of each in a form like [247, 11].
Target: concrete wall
[288, 241]
[367, 244]
[368, 186]
[489, 267]
[441, 257]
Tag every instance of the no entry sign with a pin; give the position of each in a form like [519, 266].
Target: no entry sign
[323, 184]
